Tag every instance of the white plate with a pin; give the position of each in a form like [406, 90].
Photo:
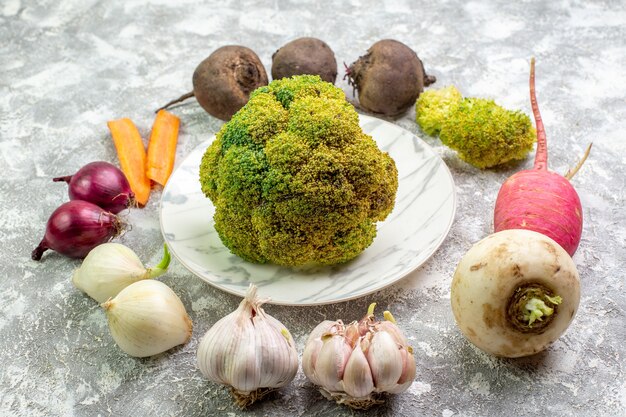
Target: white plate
[422, 216]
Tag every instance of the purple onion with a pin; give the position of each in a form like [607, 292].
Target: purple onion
[76, 227]
[102, 184]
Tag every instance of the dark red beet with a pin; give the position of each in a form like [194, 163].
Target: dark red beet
[389, 78]
[222, 83]
[305, 56]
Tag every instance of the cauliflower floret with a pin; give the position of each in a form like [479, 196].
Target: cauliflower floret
[486, 135]
[433, 106]
[483, 133]
[293, 178]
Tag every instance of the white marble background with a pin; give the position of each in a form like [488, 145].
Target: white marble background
[68, 66]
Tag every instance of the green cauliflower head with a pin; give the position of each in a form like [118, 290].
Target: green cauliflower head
[483, 133]
[293, 178]
[487, 135]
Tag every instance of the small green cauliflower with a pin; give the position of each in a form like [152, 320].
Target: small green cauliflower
[483, 133]
[433, 106]
[293, 178]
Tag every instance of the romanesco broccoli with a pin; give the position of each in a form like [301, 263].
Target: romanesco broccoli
[293, 178]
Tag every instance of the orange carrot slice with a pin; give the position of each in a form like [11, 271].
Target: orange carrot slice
[132, 155]
[162, 147]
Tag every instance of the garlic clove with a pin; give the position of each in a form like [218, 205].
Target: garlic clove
[310, 359]
[147, 318]
[211, 354]
[394, 332]
[323, 327]
[408, 366]
[408, 361]
[109, 268]
[312, 347]
[241, 367]
[408, 372]
[385, 361]
[275, 350]
[331, 362]
[357, 378]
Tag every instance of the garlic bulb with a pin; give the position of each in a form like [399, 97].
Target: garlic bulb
[249, 351]
[147, 318]
[111, 267]
[353, 364]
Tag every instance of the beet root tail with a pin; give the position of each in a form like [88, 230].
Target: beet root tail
[178, 100]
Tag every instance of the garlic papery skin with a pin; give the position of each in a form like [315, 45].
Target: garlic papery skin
[356, 364]
[249, 351]
[147, 318]
[111, 267]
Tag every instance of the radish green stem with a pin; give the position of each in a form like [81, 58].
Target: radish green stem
[571, 172]
[162, 265]
[541, 155]
[178, 100]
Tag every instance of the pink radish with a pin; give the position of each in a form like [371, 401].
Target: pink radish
[540, 200]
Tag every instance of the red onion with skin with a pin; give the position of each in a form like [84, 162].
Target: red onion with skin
[76, 227]
[102, 184]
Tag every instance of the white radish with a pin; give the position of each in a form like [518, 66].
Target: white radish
[515, 292]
